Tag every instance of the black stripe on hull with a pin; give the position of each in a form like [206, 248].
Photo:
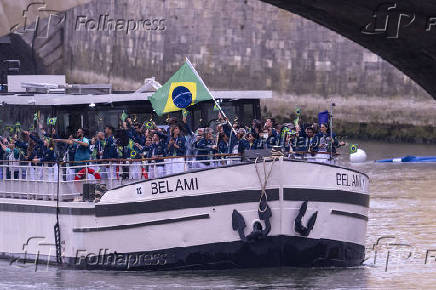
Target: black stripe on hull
[144, 224]
[183, 202]
[33, 208]
[276, 251]
[198, 201]
[350, 214]
[322, 195]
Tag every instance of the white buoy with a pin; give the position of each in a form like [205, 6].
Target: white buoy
[358, 157]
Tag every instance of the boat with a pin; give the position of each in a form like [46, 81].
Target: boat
[274, 212]
[231, 212]
[409, 159]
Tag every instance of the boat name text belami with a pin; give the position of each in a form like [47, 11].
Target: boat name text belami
[344, 179]
[164, 186]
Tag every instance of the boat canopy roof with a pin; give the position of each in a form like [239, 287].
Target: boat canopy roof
[52, 90]
[57, 99]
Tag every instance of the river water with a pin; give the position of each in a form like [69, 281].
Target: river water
[402, 229]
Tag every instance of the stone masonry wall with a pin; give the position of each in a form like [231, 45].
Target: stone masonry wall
[234, 44]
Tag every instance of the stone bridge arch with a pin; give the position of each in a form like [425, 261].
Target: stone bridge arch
[407, 41]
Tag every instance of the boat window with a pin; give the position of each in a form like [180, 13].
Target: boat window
[248, 113]
[230, 108]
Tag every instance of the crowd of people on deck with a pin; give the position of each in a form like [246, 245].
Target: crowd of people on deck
[136, 142]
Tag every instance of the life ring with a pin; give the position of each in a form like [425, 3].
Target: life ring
[144, 173]
[81, 174]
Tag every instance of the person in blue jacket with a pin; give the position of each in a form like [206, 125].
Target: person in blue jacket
[134, 132]
[253, 142]
[176, 147]
[22, 143]
[312, 140]
[147, 149]
[223, 144]
[176, 143]
[45, 157]
[230, 130]
[203, 145]
[4, 153]
[38, 153]
[243, 143]
[158, 151]
[48, 153]
[110, 150]
[325, 143]
[272, 139]
[299, 142]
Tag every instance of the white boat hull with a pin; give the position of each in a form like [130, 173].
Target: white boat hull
[185, 221]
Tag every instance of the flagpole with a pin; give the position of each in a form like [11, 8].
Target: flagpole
[331, 131]
[213, 98]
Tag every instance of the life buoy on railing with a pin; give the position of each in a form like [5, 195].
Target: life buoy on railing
[81, 174]
[144, 173]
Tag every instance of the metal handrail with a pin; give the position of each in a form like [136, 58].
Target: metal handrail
[152, 158]
[25, 179]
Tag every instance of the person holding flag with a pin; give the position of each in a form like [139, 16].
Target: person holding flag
[183, 89]
[326, 141]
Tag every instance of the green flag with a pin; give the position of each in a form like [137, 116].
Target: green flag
[124, 116]
[17, 127]
[183, 89]
[298, 113]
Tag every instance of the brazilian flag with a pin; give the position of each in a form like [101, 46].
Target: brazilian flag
[353, 148]
[183, 89]
[52, 121]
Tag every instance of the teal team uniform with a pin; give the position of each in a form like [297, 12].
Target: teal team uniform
[82, 152]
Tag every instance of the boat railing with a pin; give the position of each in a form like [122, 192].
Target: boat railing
[78, 180]
[72, 180]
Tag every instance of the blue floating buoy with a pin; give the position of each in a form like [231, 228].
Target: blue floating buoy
[409, 159]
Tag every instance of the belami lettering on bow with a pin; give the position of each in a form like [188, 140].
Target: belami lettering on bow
[164, 186]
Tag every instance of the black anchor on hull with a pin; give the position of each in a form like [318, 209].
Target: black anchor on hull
[299, 227]
[238, 223]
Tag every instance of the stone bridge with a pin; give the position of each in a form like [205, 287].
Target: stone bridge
[402, 32]
[254, 39]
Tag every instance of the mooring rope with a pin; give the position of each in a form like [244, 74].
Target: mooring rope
[238, 222]
[265, 181]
